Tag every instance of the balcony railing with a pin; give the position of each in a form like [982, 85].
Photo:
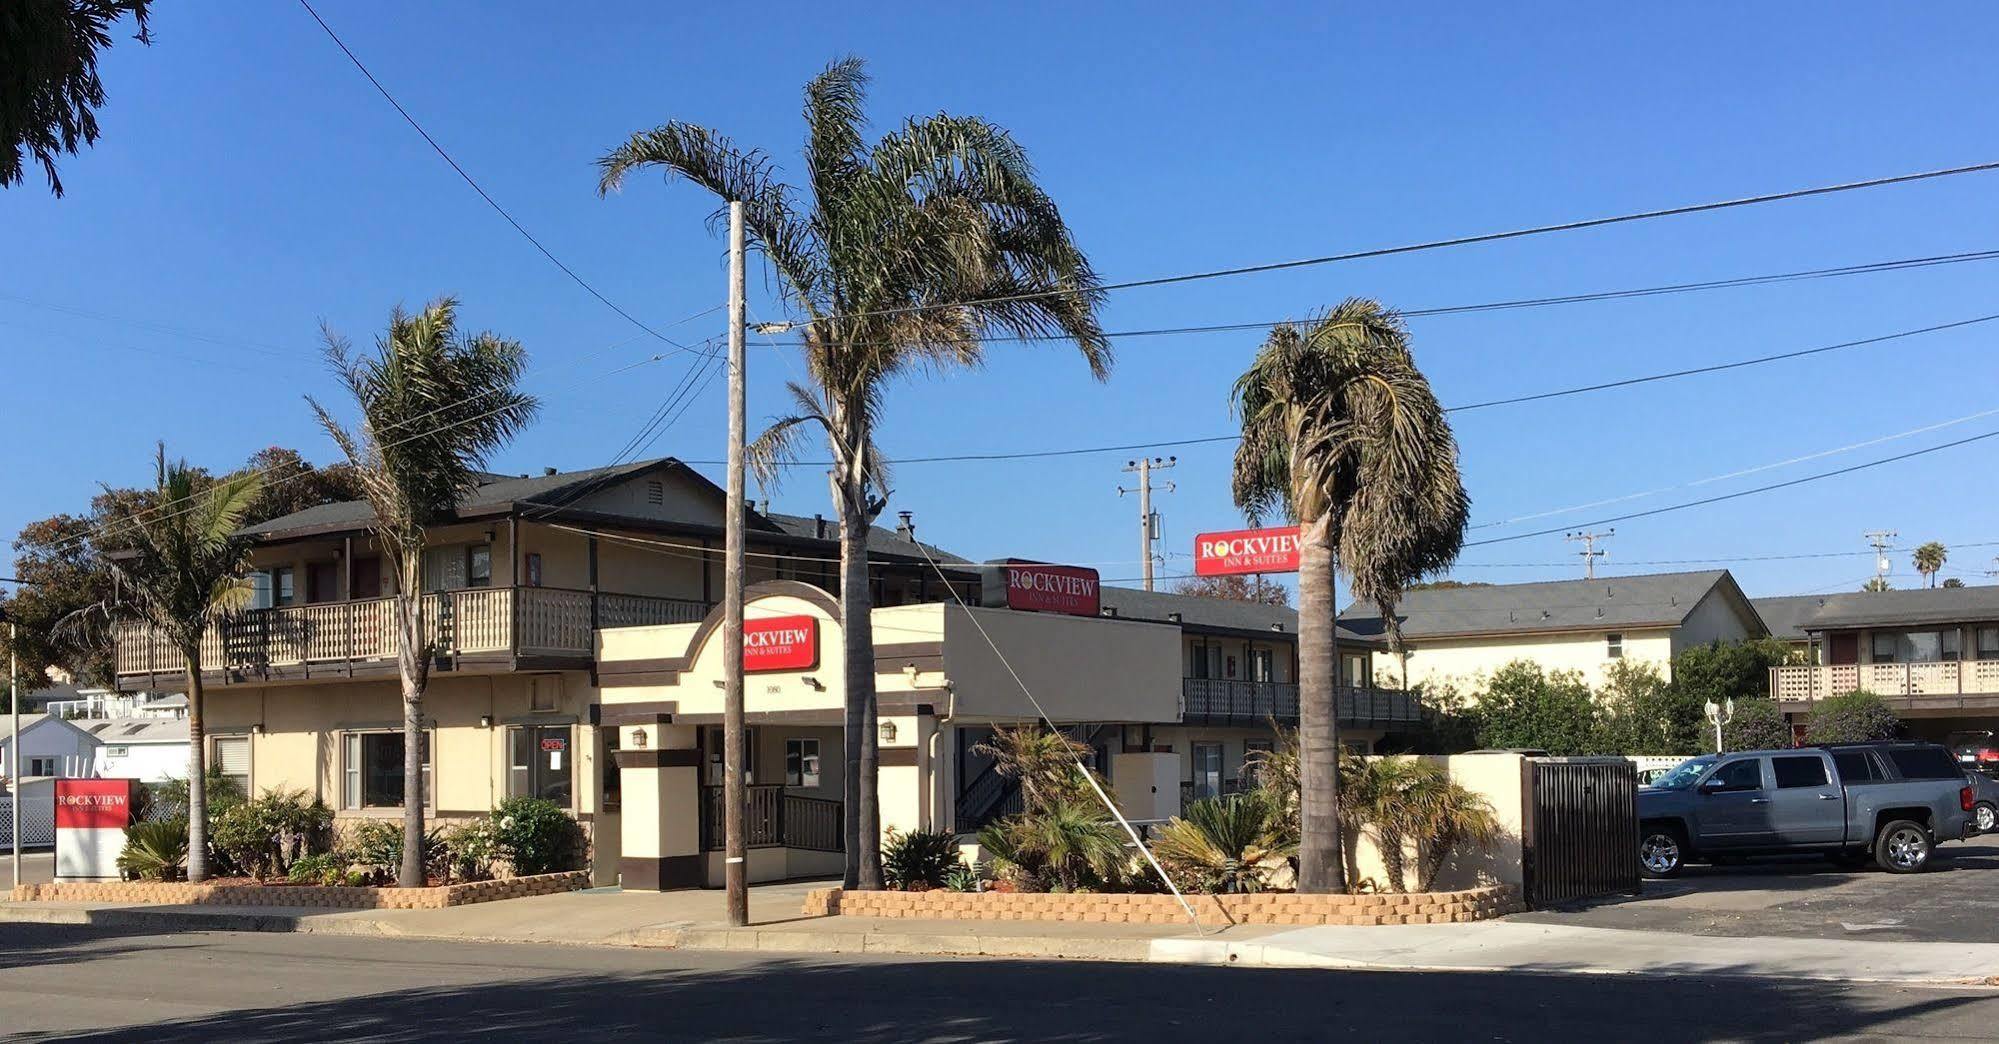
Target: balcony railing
[1215, 701]
[1799, 683]
[529, 621]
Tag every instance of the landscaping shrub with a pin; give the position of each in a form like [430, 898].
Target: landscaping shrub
[155, 850]
[1758, 725]
[537, 836]
[261, 838]
[1067, 845]
[376, 846]
[325, 868]
[171, 795]
[1228, 844]
[1856, 717]
[920, 859]
[962, 877]
[472, 847]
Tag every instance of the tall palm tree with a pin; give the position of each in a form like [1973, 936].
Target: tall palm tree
[1341, 434]
[434, 404]
[1929, 560]
[899, 257]
[181, 567]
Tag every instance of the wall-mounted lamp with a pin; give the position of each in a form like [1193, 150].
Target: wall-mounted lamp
[638, 737]
[815, 683]
[887, 732]
[909, 671]
[257, 729]
[485, 721]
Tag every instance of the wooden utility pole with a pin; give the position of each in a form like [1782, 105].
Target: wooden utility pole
[1148, 520]
[1589, 552]
[735, 872]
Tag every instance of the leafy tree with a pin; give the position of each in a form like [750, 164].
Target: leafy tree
[1855, 717]
[434, 404]
[1929, 560]
[1523, 706]
[1639, 713]
[1758, 725]
[1953, 582]
[1718, 672]
[49, 87]
[1235, 588]
[901, 257]
[1879, 583]
[292, 484]
[1342, 435]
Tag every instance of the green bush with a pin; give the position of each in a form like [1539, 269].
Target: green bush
[1236, 843]
[1523, 706]
[920, 859]
[472, 847]
[171, 795]
[537, 836]
[962, 877]
[376, 845]
[1857, 717]
[155, 850]
[324, 868]
[1758, 725]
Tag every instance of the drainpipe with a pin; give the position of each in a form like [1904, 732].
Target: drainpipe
[936, 788]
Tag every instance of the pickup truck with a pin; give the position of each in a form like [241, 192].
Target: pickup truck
[1889, 802]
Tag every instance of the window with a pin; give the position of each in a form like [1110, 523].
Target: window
[41, 766]
[1855, 767]
[1798, 770]
[1613, 646]
[284, 586]
[1746, 774]
[614, 776]
[479, 565]
[1988, 643]
[1883, 646]
[1262, 666]
[1207, 769]
[1924, 763]
[372, 770]
[540, 765]
[1915, 646]
[1354, 669]
[1253, 752]
[711, 743]
[232, 760]
[801, 763]
[534, 569]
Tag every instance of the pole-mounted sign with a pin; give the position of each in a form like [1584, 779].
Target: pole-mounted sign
[1273, 550]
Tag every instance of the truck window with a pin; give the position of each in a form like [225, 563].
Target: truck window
[1746, 774]
[1855, 767]
[1798, 771]
[1924, 763]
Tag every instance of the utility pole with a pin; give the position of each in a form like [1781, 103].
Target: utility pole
[1881, 540]
[14, 744]
[1148, 519]
[735, 855]
[1589, 552]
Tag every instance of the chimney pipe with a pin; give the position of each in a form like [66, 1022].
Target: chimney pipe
[548, 471]
[819, 525]
[906, 528]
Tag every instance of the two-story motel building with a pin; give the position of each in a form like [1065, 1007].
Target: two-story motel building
[574, 614]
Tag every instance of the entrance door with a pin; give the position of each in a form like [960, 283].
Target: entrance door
[367, 576]
[1843, 648]
[1207, 769]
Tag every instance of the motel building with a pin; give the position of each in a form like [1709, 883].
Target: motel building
[577, 615]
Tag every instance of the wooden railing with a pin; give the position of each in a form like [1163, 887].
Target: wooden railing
[528, 620]
[1214, 701]
[1799, 683]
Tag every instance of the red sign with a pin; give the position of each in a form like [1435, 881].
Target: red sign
[1035, 587]
[781, 643]
[1247, 551]
[93, 804]
[555, 744]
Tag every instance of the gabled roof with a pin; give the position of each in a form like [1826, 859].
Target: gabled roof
[1941, 605]
[30, 721]
[880, 541]
[1785, 614]
[1199, 612]
[1607, 603]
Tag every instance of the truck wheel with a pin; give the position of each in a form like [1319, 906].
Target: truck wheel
[1903, 847]
[1985, 817]
[1662, 850]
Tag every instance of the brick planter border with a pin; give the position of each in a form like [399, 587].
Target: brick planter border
[1472, 904]
[336, 897]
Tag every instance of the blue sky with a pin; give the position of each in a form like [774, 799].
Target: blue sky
[250, 184]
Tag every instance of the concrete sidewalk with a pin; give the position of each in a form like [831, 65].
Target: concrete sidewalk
[694, 920]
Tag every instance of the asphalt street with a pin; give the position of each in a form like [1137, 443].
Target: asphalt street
[99, 984]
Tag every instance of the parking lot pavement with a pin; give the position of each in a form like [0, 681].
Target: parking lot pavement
[1955, 900]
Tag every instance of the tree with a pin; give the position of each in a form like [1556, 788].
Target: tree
[1343, 436]
[1953, 582]
[1879, 583]
[900, 258]
[1525, 707]
[434, 403]
[1716, 673]
[1929, 560]
[49, 87]
[1639, 713]
[1758, 724]
[185, 563]
[1854, 717]
[1235, 588]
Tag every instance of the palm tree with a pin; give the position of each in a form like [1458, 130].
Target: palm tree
[1929, 560]
[1342, 434]
[182, 567]
[51, 92]
[901, 257]
[434, 403]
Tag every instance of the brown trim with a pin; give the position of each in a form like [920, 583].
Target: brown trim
[660, 873]
[669, 757]
[908, 650]
[713, 622]
[895, 757]
[808, 717]
[653, 712]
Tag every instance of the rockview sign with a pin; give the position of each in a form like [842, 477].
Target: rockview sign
[1042, 588]
[780, 643]
[1237, 551]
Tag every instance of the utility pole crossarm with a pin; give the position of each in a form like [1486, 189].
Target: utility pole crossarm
[1589, 552]
[1148, 519]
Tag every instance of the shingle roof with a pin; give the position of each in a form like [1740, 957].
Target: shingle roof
[139, 730]
[1786, 614]
[1649, 600]
[1202, 611]
[880, 540]
[1894, 608]
[495, 492]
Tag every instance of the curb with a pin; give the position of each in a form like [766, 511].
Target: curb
[906, 944]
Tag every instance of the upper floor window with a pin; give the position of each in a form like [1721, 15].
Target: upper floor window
[1914, 646]
[479, 565]
[1262, 665]
[1988, 643]
[284, 586]
[1613, 646]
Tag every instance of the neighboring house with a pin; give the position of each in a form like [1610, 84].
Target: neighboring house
[1785, 615]
[103, 703]
[147, 749]
[1932, 653]
[50, 746]
[1455, 636]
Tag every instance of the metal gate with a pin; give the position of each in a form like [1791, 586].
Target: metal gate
[1582, 839]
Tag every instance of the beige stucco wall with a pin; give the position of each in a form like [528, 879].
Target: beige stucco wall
[1501, 780]
[1463, 663]
[1080, 669]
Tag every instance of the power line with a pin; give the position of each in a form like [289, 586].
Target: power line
[483, 194]
[1437, 244]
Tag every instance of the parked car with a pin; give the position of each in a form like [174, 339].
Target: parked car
[1977, 750]
[1891, 802]
[1984, 802]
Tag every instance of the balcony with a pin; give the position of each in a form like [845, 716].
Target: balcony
[1212, 701]
[1946, 685]
[494, 627]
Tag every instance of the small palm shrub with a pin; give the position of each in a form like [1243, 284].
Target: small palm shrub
[1068, 845]
[919, 859]
[537, 836]
[1454, 816]
[1227, 844]
[262, 838]
[155, 850]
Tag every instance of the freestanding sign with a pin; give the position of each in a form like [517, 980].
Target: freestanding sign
[1237, 551]
[780, 643]
[91, 816]
[1041, 588]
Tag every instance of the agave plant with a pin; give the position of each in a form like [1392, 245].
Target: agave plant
[1229, 844]
[1065, 843]
[155, 850]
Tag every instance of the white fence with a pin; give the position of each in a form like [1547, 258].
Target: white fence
[38, 820]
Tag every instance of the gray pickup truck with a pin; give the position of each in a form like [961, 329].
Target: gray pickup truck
[1889, 802]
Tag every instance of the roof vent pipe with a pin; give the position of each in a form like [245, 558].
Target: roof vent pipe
[906, 528]
[548, 471]
[819, 525]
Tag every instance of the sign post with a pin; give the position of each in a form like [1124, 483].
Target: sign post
[90, 819]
